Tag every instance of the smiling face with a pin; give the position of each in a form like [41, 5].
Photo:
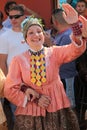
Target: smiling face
[35, 37]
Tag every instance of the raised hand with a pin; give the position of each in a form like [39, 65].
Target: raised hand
[84, 26]
[70, 15]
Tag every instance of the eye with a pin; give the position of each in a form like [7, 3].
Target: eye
[30, 33]
[39, 31]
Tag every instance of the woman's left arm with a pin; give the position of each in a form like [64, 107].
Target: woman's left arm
[78, 46]
[71, 17]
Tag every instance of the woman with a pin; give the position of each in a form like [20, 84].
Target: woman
[42, 104]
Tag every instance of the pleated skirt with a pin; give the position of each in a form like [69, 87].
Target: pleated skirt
[64, 119]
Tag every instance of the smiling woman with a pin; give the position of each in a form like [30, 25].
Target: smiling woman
[43, 104]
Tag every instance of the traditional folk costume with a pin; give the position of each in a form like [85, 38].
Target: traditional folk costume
[40, 71]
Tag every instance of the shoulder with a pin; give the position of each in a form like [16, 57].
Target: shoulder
[6, 33]
[21, 57]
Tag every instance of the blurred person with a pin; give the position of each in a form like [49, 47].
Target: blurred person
[35, 86]
[8, 5]
[11, 44]
[2, 28]
[68, 71]
[81, 7]
[81, 88]
[85, 12]
[3, 123]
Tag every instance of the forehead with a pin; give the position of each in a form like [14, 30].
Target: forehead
[81, 4]
[14, 12]
[34, 27]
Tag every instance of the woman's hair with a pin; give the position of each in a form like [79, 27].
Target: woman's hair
[28, 22]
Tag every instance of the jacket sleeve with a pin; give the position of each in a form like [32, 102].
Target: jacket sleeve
[12, 85]
[68, 53]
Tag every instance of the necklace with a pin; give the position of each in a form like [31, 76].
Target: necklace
[37, 67]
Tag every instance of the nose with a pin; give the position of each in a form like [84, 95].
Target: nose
[36, 34]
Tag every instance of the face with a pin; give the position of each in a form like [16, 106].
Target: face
[35, 37]
[55, 23]
[80, 7]
[16, 18]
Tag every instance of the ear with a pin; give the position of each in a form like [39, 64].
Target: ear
[54, 21]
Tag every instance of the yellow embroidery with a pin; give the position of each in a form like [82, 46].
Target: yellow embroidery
[37, 68]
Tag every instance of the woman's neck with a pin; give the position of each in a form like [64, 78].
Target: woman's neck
[36, 49]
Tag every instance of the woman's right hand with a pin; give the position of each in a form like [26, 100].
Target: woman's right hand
[44, 101]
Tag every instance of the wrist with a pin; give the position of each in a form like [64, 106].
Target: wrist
[76, 29]
[24, 87]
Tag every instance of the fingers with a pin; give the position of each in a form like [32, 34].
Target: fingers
[44, 101]
[43, 105]
[31, 94]
[34, 96]
[83, 21]
[69, 8]
[82, 18]
[70, 15]
[65, 7]
[27, 94]
[84, 25]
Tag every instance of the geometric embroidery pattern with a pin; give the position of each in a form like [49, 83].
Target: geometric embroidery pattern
[37, 67]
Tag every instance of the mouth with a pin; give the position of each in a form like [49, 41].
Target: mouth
[36, 40]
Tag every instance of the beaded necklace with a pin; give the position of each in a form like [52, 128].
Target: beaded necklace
[37, 67]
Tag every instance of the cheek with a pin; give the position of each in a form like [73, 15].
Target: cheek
[28, 40]
[43, 39]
